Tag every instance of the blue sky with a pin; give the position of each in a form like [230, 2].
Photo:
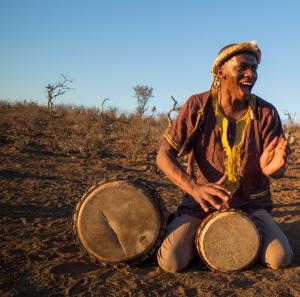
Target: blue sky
[109, 46]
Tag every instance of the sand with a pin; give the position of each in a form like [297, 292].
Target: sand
[40, 257]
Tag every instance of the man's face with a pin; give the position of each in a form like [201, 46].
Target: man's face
[238, 75]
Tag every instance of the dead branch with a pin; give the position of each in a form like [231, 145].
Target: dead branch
[174, 108]
[102, 104]
[153, 110]
[290, 117]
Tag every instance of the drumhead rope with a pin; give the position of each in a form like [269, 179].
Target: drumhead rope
[119, 221]
[228, 240]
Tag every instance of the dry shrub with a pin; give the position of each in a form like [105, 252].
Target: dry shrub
[143, 132]
[21, 122]
[291, 129]
[85, 130]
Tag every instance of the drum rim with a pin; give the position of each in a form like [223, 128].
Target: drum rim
[211, 216]
[154, 198]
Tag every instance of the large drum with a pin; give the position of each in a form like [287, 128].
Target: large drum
[228, 240]
[119, 221]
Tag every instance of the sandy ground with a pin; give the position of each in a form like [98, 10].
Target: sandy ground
[39, 256]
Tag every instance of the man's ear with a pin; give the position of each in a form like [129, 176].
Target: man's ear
[220, 73]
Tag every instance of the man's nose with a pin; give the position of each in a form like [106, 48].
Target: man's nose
[250, 73]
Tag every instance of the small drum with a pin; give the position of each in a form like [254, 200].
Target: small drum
[228, 240]
[119, 221]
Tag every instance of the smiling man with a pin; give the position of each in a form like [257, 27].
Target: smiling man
[237, 142]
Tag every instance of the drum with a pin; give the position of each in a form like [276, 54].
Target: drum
[119, 221]
[228, 240]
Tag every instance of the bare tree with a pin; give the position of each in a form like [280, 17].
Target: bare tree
[143, 95]
[291, 117]
[57, 89]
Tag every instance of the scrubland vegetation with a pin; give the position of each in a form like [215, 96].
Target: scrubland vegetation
[78, 131]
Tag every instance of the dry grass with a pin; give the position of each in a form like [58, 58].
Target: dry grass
[75, 130]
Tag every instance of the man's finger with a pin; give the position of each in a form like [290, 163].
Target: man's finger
[282, 143]
[271, 155]
[224, 205]
[218, 193]
[203, 205]
[272, 144]
[219, 187]
[211, 201]
[285, 146]
[221, 180]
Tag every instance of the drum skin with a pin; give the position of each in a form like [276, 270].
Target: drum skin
[228, 241]
[119, 221]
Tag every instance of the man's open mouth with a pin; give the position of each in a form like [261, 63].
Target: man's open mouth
[246, 86]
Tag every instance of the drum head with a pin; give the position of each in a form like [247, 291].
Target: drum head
[228, 241]
[118, 221]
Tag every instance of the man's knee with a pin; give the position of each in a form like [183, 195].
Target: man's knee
[279, 261]
[276, 256]
[172, 260]
[177, 249]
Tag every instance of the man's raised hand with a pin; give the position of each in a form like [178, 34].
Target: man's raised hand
[274, 156]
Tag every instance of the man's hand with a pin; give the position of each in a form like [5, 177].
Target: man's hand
[273, 157]
[206, 193]
[202, 193]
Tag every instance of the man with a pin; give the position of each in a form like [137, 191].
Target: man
[237, 142]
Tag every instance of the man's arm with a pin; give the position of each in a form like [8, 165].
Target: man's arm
[168, 163]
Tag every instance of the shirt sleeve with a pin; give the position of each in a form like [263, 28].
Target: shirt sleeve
[271, 127]
[178, 137]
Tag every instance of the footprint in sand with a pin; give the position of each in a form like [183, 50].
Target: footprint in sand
[73, 268]
[78, 287]
[69, 249]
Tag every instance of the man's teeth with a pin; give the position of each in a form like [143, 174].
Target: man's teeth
[246, 84]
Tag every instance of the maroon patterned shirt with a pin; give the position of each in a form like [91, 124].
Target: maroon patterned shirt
[184, 137]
